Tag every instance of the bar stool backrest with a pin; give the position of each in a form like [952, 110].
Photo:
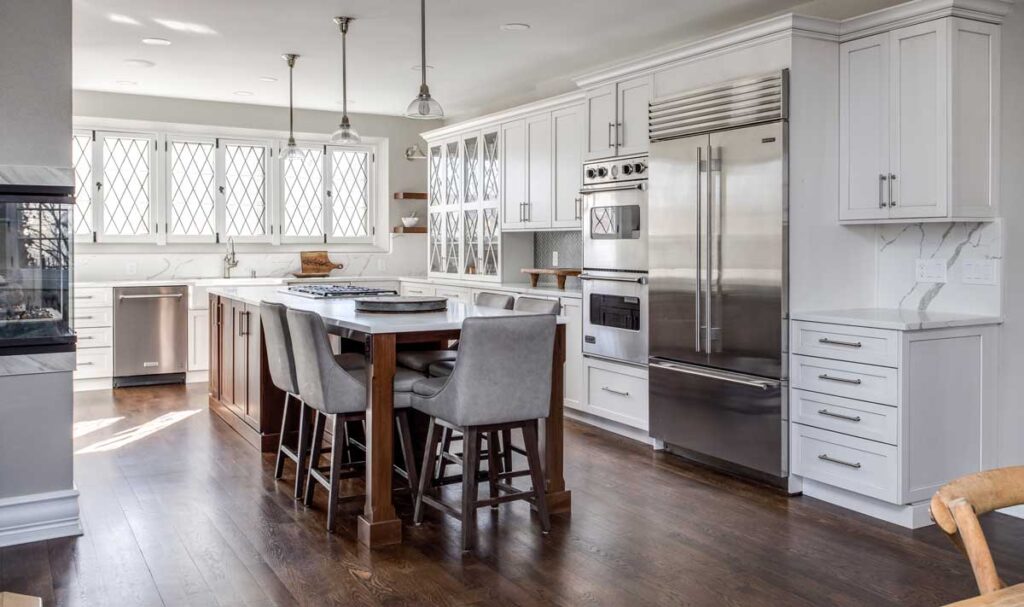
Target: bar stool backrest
[323, 383]
[280, 358]
[495, 300]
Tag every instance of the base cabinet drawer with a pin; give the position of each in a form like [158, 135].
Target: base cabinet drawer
[851, 380]
[95, 337]
[847, 462]
[94, 297]
[93, 363]
[417, 290]
[617, 393]
[854, 417]
[855, 344]
[85, 318]
[456, 293]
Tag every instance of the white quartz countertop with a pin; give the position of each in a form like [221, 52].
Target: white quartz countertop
[896, 319]
[342, 313]
[213, 281]
[519, 287]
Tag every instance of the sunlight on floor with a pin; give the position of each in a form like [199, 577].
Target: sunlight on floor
[126, 437]
[89, 426]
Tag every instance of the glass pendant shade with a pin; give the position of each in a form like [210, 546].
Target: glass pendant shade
[345, 133]
[291, 150]
[424, 107]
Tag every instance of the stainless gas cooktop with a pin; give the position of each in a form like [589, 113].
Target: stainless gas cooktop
[333, 291]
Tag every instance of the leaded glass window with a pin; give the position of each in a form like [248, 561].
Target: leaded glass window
[193, 184]
[350, 211]
[81, 162]
[303, 177]
[245, 189]
[126, 192]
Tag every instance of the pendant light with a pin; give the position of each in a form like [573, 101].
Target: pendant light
[345, 133]
[424, 106]
[291, 150]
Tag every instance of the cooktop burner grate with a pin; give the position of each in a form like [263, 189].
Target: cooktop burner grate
[332, 291]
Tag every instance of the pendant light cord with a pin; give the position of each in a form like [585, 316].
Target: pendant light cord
[423, 43]
[291, 103]
[344, 69]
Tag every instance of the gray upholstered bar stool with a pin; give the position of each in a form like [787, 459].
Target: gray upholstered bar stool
[491, 390]
[281, 361]
[333, 391]
[420, 360]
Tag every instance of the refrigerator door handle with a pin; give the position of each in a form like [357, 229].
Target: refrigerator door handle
[735, 378]
[697, 307]
[714, 201]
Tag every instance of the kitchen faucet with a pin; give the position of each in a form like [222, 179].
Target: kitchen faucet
[230, 259]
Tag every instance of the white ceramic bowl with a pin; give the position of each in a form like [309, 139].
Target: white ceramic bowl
[410, 221]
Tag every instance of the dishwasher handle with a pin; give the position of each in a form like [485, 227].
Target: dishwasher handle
[152, 296]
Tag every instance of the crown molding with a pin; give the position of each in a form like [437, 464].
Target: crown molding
[919, 11]
[519, 111]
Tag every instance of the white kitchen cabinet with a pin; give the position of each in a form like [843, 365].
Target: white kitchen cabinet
[918, 123]
[513, 175]
[416, 289]
[616, 392]
[572, 310]
[198, 340]
[616, 121]
[567, 149]
[457, 293]
[539, 167]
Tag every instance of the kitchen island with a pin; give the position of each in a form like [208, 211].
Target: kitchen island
[242, 393]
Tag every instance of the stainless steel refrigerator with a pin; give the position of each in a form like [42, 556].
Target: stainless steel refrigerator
[718, 276]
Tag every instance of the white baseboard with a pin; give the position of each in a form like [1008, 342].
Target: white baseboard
[98, 383]
[611, 426]
[195, 377]
[911, 516]
[37, 517]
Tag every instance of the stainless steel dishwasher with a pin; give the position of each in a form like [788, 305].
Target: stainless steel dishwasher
[150, 335]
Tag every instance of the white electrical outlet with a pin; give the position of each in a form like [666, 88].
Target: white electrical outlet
[131, 268]
[554, 258]
[931, 270]
[980, 272]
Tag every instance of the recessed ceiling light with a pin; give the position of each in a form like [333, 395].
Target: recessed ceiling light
[244, 93]
[416, 68]
[182, 26]
[156, 41]
[123, 19]
[515, 27]
[139, 63]
[127, 82]
[268, 79]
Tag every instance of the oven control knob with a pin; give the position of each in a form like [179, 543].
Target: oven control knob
[602, 172]
[591, 173]
[639, 167]
[627, 169]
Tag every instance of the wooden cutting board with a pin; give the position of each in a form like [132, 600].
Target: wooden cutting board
[559, 273]
[317, 262]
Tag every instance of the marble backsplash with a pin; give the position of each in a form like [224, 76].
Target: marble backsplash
[406, 258]
[900, 245]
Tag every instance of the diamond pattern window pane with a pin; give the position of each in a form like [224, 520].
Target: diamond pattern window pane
[350, 184]
[193, 181]
[81, 162]
[436, 238]
[451, 231]
[452, 174]
[490, 166]
[491, 242]
[436, 179]
[126, 174]
[470, 161]
[245, 183]
[471, 244]
[303, 193]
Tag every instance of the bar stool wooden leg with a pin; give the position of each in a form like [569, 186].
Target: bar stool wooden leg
[470, 468]
[537, 474]
[506, 450]
[429, 459]
[314, 455]
[494, 464]
[408, 455]
[446, 444]
[279, 461]
[303, 448]
[337, 455]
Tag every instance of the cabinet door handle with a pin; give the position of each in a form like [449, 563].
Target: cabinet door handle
[839, 342]
[842, 380]
[851, 418]
[825, 457]
[615, 392]
[579, 208]
[881, 191]
[529, 212]
[892, 180]
[611, 125]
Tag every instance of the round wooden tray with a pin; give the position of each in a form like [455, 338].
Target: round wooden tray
[397, 304]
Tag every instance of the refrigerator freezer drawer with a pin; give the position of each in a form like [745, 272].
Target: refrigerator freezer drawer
[734, 418]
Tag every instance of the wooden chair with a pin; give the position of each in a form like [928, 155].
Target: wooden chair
[956, 506]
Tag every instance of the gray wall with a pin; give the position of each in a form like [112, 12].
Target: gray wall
[35, 82]
[405, 176]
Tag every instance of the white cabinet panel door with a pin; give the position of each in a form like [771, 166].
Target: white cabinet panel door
[634, 95]
[567, 131]
[864, 128]
[538, 171]
[601, 119]
[572, 310]
[513, 174]
[198, 340]
[919, 128]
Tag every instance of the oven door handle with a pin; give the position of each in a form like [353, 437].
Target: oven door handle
[640, 280]
[623, 187]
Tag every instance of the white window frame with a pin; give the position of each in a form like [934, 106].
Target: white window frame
[170, 237]
[378, 207]
[91, 186]
[269, 186]
[99, 184]
[371, 195]
[281, 216]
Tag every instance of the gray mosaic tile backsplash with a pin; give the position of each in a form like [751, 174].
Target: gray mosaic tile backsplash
[569, 245]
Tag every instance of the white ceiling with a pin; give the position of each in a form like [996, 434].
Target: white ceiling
[478, 67]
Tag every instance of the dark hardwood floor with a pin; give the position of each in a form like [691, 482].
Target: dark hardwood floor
[180, 510]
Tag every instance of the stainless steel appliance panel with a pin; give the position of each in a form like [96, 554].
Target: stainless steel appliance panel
[746, 258]
[615, 214]
[615, 315]
[150, 330]
[735, 419]
[677, 208]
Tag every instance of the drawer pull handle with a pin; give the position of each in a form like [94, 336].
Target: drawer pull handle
[842, 380]
[84, 317]
[85, 364]
[85, 337]
[824, 457]
[852, 418]
[84, 296]
[839, 342]
[615, 392]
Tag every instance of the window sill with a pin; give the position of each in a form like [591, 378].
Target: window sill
[207, 248]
